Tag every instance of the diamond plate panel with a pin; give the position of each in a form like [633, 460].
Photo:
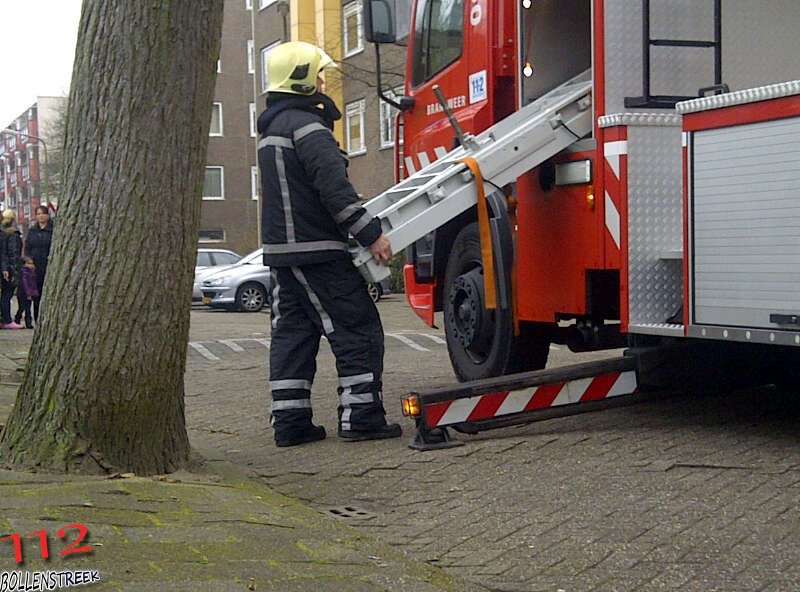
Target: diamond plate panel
[655, 223]
[623, 48]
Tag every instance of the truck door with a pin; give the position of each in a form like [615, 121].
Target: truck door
[449, 47]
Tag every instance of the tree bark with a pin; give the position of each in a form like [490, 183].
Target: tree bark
[103, 388]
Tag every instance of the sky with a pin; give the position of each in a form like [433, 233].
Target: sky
[39, 48]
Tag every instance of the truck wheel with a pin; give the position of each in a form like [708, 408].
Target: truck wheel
[481, 342]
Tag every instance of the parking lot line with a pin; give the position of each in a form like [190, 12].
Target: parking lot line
[409, 342]
[203, 351]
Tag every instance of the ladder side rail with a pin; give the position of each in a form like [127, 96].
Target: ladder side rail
[422, 216]
[555, 99]
[502, 160]
[505, 151]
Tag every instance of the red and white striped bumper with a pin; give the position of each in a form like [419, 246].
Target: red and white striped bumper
[497, 404]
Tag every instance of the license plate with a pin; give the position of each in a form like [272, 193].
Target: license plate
[206, 300]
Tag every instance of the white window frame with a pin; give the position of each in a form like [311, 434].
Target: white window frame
[254, 184]
[264, 78]
[251, 57]
[248, 4]
[262, 4]
[217, 106]
[221, 184]
[253, 121]
[352, 47]
[386, 114]
[355, 109]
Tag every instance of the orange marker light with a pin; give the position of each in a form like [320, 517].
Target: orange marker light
[411, 407]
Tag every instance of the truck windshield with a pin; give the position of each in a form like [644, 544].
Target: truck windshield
[438, 37]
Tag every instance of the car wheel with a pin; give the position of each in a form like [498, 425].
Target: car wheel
[251, 297]
[375, 291]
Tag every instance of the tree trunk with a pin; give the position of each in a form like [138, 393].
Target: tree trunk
[103, 388]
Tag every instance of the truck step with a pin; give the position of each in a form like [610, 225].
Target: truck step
[516, 399]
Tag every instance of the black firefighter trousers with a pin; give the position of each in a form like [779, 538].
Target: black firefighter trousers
[310, 301]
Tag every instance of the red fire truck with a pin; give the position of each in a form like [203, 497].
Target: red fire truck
[596, 173]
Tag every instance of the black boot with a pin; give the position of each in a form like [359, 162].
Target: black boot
[384, 432]
[310, 434]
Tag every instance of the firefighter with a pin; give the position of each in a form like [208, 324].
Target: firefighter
[308, 209]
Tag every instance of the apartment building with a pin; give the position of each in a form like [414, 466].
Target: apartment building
[29, 147]
[230, 207]
[229, 212]
[366, 133]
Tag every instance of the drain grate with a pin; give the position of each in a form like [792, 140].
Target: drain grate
[350, 513]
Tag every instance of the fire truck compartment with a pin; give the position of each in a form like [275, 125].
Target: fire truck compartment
[744, 213]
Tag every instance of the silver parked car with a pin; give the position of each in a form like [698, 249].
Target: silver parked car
[241, 286]
[208, 262]
[244, 286]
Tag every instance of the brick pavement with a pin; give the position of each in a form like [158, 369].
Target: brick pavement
[681, 493]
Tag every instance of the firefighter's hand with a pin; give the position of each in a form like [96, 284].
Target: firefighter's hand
[381, 250]
[6, 275]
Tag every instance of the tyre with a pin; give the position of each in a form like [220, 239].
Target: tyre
[375, 291]
[481, 342]
[251, 297]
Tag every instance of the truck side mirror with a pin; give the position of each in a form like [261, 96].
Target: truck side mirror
[379, 24]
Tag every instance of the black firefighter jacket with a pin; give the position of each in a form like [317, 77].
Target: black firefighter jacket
[309, 206]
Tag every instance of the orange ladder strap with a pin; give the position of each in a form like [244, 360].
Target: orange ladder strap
[487, 256]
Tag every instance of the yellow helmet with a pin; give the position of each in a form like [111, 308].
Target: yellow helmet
[293, 67]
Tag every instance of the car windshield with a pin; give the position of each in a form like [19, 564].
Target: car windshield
[254, 258]
[223, 258]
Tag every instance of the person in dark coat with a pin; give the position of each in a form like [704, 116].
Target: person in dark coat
[309, 207]
[37, 246]
[10, 253]
[27, 290]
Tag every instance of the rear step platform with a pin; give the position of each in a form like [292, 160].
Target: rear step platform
[516, 399]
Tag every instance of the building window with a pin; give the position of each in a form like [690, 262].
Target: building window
[264, 75]
[251, 57]
[216, 235]
[387, 115]
[248, 4]
[354, 128]
[254, 185]
[352, 29]
[214, 184]
[262, 4]
[253, 120]
[216, 120]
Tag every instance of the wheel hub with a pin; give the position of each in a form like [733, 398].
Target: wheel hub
[468, 318]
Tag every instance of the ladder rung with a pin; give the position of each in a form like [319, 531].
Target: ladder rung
[682, 43]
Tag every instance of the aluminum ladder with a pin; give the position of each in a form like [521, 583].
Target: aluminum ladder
[442, 190]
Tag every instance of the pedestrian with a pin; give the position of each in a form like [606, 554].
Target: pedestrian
[27, 291]
[308, 209]
[37, 246]
[10, 253]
